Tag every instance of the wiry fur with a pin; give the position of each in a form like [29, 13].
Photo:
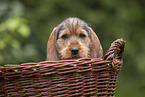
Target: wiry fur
[60, 48]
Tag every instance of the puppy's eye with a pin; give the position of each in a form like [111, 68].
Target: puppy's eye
[82, 35]
[65, 36]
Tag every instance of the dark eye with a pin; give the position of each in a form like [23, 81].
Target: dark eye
[82, 35]
[65, 36]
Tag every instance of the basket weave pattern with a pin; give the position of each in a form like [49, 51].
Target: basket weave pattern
[83, 77]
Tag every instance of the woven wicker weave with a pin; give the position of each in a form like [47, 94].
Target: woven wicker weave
[83, 77]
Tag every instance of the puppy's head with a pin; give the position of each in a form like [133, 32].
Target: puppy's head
[73, 39]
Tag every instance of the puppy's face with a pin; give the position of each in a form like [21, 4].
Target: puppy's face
[73, 39]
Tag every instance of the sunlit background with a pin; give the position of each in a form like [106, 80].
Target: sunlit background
[25, 26]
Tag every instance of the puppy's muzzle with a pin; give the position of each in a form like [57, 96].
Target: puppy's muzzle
[75, 50]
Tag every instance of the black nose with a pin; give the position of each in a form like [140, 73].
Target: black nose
[74, 50]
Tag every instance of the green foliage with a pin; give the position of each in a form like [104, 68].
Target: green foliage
[11, 31]
[25, 26]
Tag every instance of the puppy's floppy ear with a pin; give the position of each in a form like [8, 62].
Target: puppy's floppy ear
[52, 53]
[96, 48]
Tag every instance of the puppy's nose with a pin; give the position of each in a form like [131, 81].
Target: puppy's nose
[74, 50]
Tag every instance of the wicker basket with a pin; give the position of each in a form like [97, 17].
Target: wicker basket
[84, 77]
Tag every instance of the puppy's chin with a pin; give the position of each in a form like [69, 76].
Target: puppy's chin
[76, 56]
[72, 56]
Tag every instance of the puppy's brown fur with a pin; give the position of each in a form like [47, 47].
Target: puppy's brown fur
[72, 35]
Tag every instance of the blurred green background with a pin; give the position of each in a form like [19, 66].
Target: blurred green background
[25, 26]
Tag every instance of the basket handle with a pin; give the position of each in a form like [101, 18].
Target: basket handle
[114, 53]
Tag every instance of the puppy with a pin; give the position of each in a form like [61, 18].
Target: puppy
[73, 39]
